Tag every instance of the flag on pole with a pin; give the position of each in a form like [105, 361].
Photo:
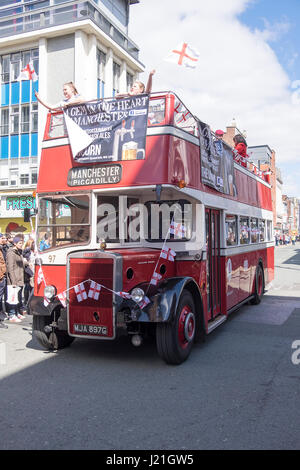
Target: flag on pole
[28, 73]
[156, 277]
[168, 254]
[63, 298]
[184, 54]
[80, 292]
[94, 291]
[177, 229]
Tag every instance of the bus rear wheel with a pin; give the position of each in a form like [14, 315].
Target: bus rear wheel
[52, 340]
[259, 286]
[175, 340]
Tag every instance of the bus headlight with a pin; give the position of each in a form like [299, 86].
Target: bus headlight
[49, 292]
[137, 295]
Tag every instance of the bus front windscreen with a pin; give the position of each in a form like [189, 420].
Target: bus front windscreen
[62, 221]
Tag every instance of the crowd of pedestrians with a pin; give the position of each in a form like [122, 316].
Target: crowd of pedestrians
[16, 277]
[286, 239]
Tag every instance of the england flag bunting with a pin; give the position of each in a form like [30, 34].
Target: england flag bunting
[156, 277]
[63, 298]
[125, 295]
[177, 229]
[168, 254]
[40, 278]
[184, 54]
[46, 302]
[28, 73]
[94, 291]
[80, 292]
[144, 302]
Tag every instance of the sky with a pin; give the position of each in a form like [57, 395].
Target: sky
[248, 69]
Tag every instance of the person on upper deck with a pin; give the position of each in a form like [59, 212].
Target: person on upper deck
[137, 88]
[71, 97]
[240, 149]
[218, 143]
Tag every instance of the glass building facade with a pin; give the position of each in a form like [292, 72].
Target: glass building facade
[18, 116]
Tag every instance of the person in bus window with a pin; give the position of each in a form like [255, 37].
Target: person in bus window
[240, 149]
[71, 96]
[44, 243]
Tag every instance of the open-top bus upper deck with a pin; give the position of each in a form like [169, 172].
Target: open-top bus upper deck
[172, 157]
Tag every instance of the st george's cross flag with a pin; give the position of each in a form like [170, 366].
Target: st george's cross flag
[184, 54]
[94, 291]
[155, 278]
[40, 277]
[144, 302]
[125, 295]
[28, 73]
[80, 292]
[168, 254]
[177, 229]
[63, 298]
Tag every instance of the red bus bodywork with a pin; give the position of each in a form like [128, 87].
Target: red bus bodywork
[209, 278]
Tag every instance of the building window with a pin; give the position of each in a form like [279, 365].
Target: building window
[14, 120]
[4, 121]
[34, 117]
[25, 123]
[5, 69]
[101, 63]
[24, 179]
[34, 178]
[13, 178]
[129, 79]
[116, 78]
[15, 66]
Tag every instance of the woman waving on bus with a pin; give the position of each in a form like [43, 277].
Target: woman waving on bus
[71, 96]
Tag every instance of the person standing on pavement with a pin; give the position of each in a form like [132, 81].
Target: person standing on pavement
[28, 254]
[2, 281]
[15, 264]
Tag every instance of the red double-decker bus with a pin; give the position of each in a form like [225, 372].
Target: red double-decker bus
[101, 228]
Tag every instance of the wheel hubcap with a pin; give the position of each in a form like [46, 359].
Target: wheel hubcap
[186, 327]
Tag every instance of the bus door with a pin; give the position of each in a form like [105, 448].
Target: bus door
[213, 263]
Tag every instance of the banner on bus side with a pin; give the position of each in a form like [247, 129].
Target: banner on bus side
[217, 166]
[108, 130]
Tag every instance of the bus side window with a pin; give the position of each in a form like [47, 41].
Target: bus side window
[231, 230]
[156, 114]
[57, 126]
[244, 231]
[254, 231]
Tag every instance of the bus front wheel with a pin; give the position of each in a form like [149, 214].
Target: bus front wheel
[51, 340]
[175, 340]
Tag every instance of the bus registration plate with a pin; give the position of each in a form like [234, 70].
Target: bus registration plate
[90, 329]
